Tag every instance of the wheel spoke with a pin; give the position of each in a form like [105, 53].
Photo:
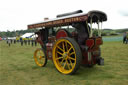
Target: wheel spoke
[71, 63]
[69, 49]
[64, 64]
[66, 46]
[72, 53]
[40, 57]
[59, 58]
[60, 48]
[68, 65]
[41, 53]
[62, 61]
[72, 58]
[63, 46]
[59, 53]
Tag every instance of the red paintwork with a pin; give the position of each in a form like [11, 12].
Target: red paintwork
[99, 41]
[90, 43]
[0, 38]
[61, 33]
[49, 50]
[49, 47]
[86, 61]
[85, 58]
[93, 44]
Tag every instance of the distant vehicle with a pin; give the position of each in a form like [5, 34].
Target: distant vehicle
[67, 47]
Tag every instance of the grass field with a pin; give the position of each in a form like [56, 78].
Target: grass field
[17, 67]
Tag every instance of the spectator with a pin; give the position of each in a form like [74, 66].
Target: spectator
[14, 41]
[32, 42]
[35, 42]
[21, 42]
[28, 42]
[21, 39]
[124, 37]
[25, 42]
[9, 42]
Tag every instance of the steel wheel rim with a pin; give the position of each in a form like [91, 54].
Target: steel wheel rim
[39, 57]
[64, 56]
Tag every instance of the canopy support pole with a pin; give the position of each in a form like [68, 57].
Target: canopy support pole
[88, 28]
[98, 28]
[101, 27]
[91, 32]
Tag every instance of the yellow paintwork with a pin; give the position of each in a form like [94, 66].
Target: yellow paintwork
[39, 57]
[63, 59]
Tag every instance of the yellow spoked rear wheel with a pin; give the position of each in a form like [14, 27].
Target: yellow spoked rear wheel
[40, 57]
[66, 55]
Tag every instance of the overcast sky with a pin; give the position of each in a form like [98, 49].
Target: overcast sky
[17, 14]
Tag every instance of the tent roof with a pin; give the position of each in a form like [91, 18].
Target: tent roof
[27, 35]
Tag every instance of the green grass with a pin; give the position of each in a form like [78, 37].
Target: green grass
[17, 67]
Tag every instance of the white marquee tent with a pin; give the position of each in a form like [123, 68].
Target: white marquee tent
[29, 35]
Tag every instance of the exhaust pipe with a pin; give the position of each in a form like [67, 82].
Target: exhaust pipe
[70, 13]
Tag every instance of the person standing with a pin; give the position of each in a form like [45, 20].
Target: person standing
[9, 42]
[124, 37]
[14, 41]
[32, 41]
[25, 42]
[127, 38]
[21, 42]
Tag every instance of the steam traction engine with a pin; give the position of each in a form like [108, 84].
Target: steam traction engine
[70, 41]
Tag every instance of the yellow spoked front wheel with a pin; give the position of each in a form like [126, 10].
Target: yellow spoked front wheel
[40, 57]
[66, 55]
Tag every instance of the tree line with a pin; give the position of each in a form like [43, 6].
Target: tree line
[15, 33]
[21, 32]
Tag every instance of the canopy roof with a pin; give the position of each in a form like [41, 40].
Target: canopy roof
[67, 20]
